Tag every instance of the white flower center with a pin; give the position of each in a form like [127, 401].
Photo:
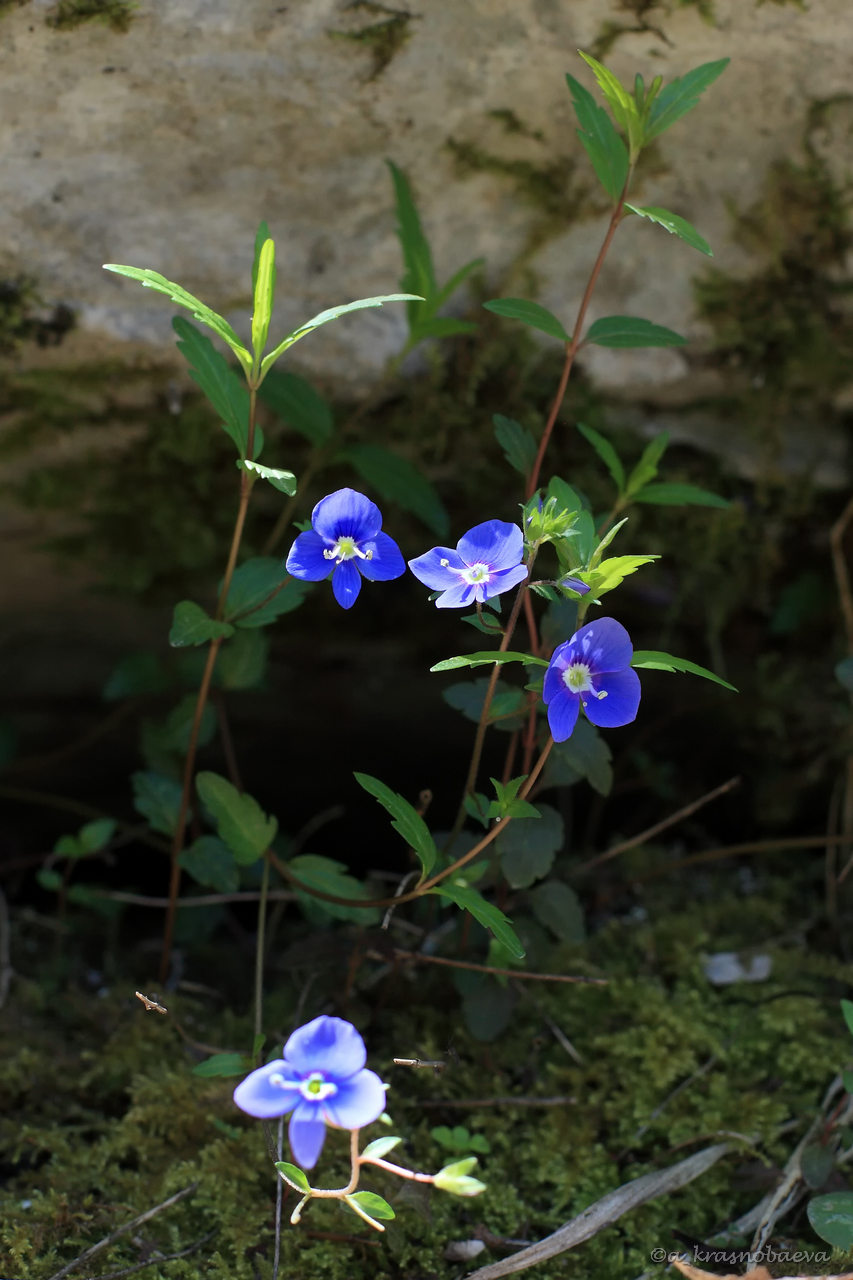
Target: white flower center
[346, 548]
[476, 573]
[314, 1088]
[577, 678]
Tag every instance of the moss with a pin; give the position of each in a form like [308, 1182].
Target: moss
[384, 38]
[548, 187]
[25, 318]
[115, 14]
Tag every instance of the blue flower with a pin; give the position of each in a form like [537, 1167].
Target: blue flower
[592, 670]
[322, 1080]
[487, 561]
[345, 541]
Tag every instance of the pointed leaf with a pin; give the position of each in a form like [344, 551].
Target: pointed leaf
[380, 1147]
[680, 96]
[191, 625]
[485, 913]
[284, 481]
[407, 821]
[223, 388]
[96, 835]
[293, 1175]
[438, 327]
[371, 1204]
[221, 1064]
[529, 313]
[397, 480]
[612, 572]
[647, 468]
[211, 863]
[528, 847]
[263, 289]
[606, 453]
[487, 659]
[418, 276]
[240, 820]
[600, 140]
[299, 405]
[847, 1010]
[220, 326]
[329, 876]
[655, 660]
[261, 590]
[323, 317]
[676, 226]
[158, 799]
[631, 331]
[676, 495]
[517, 443]
[447, 291]
[261, 236]
[621, 103]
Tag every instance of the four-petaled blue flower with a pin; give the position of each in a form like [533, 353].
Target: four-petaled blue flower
[345, 541]
[592, 670]
[487, 561]
[322, 1080]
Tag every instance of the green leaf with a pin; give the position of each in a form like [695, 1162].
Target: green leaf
[261, 236]
[517, 443]
[487, 659]
[654, 660]
[158, 799]
[844, 676]
[507, 709]
[221, 1064]
[613, 571]
[69, 847]
[680, 96]
[294, 1175]
[438, 327]
[49, 879]
[397, 480]
[240, 820]
[263, 288]
[485, 913]
[586, 754]
[621, 103]
[178, 727]
[675, 226]
[527, 848]
[96, 835]
[529, 313]
[323, 317]
[299, 405]
[407, 821]
[832, 1218]
[329, 876]
[223, 388]
[447, 290]
[676, 495]
[243, 661]
[380, 1147]
[371, 1204]
[631, 331]
[647, 467]
[137, 673]
[606, 453]
[558, 907]
[454, 1179]
[220, 326]
[847, 1080]
[600, 140]
[211, 863]
[256, 581]
[284, 481]
[816, 1163]
[191, 625]
[419, 276]
[847, 1010]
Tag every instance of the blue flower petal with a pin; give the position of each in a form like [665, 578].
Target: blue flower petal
[459, 595]
[575, 584]
[563, 714]
[346, 514]
[504, 580]
[620, 705]
[553, 683]
[259, 1097]
[604, 644]
[346, 584]
[359, 1101]
[496, 543]
[305, 559]
[429, 570]
[330, 1045]
[386, 561]
[306, 1133]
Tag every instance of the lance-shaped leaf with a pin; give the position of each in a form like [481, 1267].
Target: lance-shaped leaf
[261, 590]
[622, 104]
[484, 659]
[600, 140]
[264, 290]
[606, 453]
[396, 480]
[680, 96]
[485, 913]
[647, 467]
[323, 317]
[191, 625]
[284, 481]
[612, 572]
[419, 275]
[218, 381]
[677, 495]
[407, 821]
[153, 280]
[261, 236]
[676, 226]
[655, 660]
[631, 331]
[529, 313]
[240, 820]
[299, 405]
[517, 443]
[294, 1176]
